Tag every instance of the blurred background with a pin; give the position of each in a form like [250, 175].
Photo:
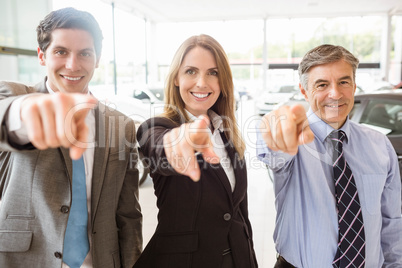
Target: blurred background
[264, 40]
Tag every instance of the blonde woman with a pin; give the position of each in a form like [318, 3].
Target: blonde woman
[197, 162]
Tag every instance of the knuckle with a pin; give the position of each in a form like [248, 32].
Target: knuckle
[28, 110]
[52, 142]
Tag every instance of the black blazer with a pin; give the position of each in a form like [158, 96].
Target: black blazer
[197, 221]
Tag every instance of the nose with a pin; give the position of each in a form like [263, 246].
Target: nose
[201, 81]
[72, 63]
[335, 92]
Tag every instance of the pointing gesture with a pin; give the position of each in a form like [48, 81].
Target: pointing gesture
[286, 128]
[183, 142]
[55, 120]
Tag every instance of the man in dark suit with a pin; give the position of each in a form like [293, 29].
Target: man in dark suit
[45, 127]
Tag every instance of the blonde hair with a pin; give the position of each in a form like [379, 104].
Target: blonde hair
[225, 104]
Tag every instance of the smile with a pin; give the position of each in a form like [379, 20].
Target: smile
[200, 95]
[72, 78]
[334, 105]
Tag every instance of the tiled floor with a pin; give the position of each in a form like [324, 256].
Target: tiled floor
[260, 194]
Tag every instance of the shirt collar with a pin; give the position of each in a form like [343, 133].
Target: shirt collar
[50, 90]
[321, 129]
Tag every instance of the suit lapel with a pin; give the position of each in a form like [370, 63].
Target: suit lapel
[65, 153]
[102, 137]
[41, 87]
[240, 171]
[224, 179]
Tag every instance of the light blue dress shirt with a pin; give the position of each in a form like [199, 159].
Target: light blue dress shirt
[306, 231]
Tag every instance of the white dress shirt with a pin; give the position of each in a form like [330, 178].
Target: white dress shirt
[18, 134]
[219, 146]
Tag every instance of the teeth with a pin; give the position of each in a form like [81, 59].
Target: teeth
[72, 78]
[200, 95]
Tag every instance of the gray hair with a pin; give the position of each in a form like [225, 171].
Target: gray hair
[324, 54]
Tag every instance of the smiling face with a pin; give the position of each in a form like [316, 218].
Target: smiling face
[70, 60]
[330, 92]
[198, 81]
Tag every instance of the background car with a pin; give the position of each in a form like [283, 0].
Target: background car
[381, 110]
[271, 100]
[149, 94]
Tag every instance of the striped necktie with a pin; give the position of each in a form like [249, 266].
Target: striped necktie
[351, 243]
[76, 244]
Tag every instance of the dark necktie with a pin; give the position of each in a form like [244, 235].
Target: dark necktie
[76, 244]
[351, 243]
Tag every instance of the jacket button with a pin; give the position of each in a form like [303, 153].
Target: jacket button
[65, 209]
[227, 217]
[58, 255]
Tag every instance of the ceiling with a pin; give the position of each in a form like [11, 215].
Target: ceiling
[211, 10]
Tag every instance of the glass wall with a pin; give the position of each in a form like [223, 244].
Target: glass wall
[18, 21]
[395, 72]
[287, 40]
[143, 50]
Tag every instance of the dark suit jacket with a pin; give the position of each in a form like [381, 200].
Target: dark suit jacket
[197, 221]
[35, 194]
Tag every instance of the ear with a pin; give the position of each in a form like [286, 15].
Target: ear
[41, 57]
[176, 83]
[303, 91]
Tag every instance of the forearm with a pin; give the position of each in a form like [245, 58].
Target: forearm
[151, 143]
[11, 138]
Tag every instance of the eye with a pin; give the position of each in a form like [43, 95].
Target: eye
[86, 54]
[345, 83]
[60, 52]
[321, 86]
[190, 71]
[213, 72]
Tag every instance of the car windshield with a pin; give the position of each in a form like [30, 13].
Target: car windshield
[288, 89]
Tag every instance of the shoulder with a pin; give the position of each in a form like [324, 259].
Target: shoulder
[155, 126]
[14, 88]
[113, 117]
[159, 121]
[366, 132]
[111, 111]
[368, 137]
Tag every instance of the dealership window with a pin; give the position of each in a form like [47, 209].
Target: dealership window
[18, 60]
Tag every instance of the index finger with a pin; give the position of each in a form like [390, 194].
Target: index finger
[288, 127]
[299, 113]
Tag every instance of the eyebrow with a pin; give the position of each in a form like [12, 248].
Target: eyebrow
[346, 77]
[64, 48]
[320, 81]
[196, 68]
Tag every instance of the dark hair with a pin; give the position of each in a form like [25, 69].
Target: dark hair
[69, 18]
[324, 54]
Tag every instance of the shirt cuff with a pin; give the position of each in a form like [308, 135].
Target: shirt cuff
[16, 129]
